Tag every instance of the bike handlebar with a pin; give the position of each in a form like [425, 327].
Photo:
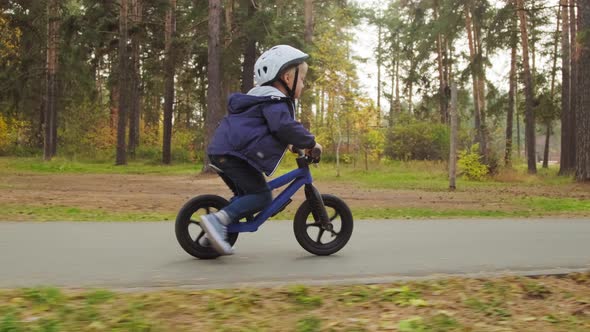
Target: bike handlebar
[313, 157]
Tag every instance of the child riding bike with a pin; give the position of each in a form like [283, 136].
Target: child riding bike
[253, 137]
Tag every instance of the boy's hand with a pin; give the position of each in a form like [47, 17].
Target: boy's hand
[315, 153]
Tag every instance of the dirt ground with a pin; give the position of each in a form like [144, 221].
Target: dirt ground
[129, 193]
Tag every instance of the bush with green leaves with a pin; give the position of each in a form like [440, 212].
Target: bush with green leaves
[470, 164]
[417, 140]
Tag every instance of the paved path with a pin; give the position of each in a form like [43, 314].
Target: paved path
[138, 255]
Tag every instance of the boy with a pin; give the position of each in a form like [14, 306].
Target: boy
[254, 136]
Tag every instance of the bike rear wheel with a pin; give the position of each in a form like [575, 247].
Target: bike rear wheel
[188, 228]
[319, 239]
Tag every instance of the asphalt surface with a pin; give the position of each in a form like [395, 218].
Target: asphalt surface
[146, 255]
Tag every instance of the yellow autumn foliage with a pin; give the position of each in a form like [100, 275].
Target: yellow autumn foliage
[10, 39]
[4, 137]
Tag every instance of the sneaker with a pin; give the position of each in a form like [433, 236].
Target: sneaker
[216, 232]
[204, 241]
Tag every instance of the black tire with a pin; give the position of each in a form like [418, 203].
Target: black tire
[342, 222]
[188, 229]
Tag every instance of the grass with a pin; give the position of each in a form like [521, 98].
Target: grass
[453, 304]
[18, 212]
[393, 175]
[522, 207]
[427, 175]
[9, 165]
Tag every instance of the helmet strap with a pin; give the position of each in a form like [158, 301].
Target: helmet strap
[290, 91]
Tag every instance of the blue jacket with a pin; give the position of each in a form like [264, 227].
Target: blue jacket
[258, 127]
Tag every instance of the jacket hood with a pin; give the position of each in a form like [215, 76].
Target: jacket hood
[263, 91]
[239, 102]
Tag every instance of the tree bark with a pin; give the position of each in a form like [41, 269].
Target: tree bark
[528, 91]
[566, 131]
[477, 102]
[583, 107]
[442, 85]
[123, 85]
[552, 90]
[453, 147]
[170, 31]
[53, 23]
[398, 104]
[379, 61]
[309, 22]
[135, 85]
[574, 86]
[390, 118]
[511, 101]
[214, 103]
[249, 52]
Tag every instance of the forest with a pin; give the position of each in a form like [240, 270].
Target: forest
[119, 80]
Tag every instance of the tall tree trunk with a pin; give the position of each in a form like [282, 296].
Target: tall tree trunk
[574, 91]
[248, 65]
[379, 61]
[398, 104]
[532, 40]
[390, 118]
[169, 32]
[123, 85]
[453, 145]
[552, 91]
[528, 91]
[53, 23]
[511, 101]
[309, 22]
[134, 105]
[249, 52]
[442, 85]
[547, 139]
[583, 83]
[481, 80]
[474, 77]
[307, 100]
[566, 131]
[214, 102]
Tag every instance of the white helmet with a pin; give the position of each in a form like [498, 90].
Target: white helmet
[272, 62]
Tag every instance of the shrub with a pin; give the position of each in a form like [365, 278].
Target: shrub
[4, 142]
[470, 164]
[418, 141]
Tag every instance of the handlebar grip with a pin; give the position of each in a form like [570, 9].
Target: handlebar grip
[316, 153]
[312, 157]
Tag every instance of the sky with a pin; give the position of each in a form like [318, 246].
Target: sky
[366, 42]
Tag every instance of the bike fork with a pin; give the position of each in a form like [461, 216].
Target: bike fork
[318, 209]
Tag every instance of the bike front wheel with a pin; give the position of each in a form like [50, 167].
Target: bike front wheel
[320, 239]
[188, 225]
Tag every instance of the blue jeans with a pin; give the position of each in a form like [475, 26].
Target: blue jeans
[252, 193]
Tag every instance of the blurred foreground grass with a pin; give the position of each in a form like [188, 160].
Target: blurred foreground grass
[455, 304]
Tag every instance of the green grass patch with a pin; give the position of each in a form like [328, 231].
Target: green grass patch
[454, 304]
[519, 208]
[556, 205]
[67, 166]
[16, 212]
[425, 175]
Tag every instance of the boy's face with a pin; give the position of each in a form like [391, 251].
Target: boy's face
[289, 78]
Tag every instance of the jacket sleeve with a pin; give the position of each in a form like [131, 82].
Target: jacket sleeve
[285, 128]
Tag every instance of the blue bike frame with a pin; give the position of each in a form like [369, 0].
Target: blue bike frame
[297, 178]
